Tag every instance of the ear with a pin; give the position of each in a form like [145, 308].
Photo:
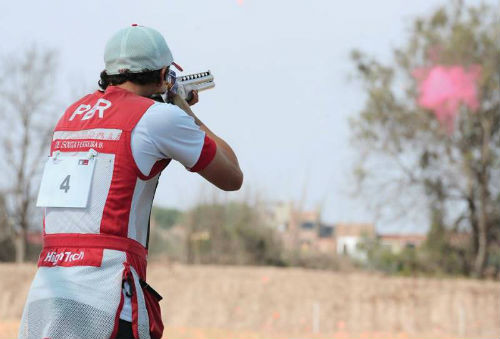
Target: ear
[164, 73]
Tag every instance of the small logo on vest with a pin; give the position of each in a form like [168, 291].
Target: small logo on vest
[83, 162]
[68, 257]
[63, 257]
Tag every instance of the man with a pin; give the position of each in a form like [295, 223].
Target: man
[107, 153]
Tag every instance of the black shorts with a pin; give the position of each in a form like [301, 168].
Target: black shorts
[125, 330]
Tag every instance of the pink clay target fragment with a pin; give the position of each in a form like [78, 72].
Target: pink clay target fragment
[443, 89]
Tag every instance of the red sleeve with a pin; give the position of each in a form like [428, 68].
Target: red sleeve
[206, 156]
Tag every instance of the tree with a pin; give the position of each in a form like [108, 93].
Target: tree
[166, 217]
[230, 233]
[437, 144]
[440, 254]
[27, 114]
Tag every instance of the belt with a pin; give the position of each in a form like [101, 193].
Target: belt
[86, 240]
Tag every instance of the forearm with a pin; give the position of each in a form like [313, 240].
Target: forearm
[180, 102]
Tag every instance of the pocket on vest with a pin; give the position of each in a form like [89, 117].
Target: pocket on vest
[152, 299]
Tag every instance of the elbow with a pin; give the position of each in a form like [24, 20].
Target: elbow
[235, 183]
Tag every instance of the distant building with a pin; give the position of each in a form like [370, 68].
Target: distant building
[326, 242]
[301, 229]
[306, 225]
[398, 242]
[279, 214]
[306, 231]
[349, 236]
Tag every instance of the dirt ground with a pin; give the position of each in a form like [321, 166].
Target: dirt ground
[208, 302]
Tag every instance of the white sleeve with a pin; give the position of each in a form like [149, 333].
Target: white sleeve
[166, 132]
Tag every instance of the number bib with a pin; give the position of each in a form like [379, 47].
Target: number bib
[66, 181]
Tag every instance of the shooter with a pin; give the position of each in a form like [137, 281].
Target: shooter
[98, 200]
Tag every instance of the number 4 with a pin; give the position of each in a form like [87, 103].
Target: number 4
[65, 184]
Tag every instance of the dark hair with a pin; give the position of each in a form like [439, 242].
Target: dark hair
[143, 78]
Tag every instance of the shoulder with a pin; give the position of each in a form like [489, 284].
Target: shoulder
[160, 109]
[162, 115]
[172, 132]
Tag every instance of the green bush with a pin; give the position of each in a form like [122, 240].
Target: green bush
[229, 234]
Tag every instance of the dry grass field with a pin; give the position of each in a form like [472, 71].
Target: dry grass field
[207, 302]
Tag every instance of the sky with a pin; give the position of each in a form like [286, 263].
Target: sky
[283, 92]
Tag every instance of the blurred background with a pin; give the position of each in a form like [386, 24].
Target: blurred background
[369, 136]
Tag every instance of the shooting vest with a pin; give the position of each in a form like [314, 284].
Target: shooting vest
[89, 252]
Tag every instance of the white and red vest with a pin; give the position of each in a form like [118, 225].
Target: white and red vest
[89, 253]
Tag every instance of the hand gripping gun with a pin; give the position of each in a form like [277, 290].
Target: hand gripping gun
[184, 85]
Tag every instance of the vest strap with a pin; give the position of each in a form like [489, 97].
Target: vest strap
[104, 241]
